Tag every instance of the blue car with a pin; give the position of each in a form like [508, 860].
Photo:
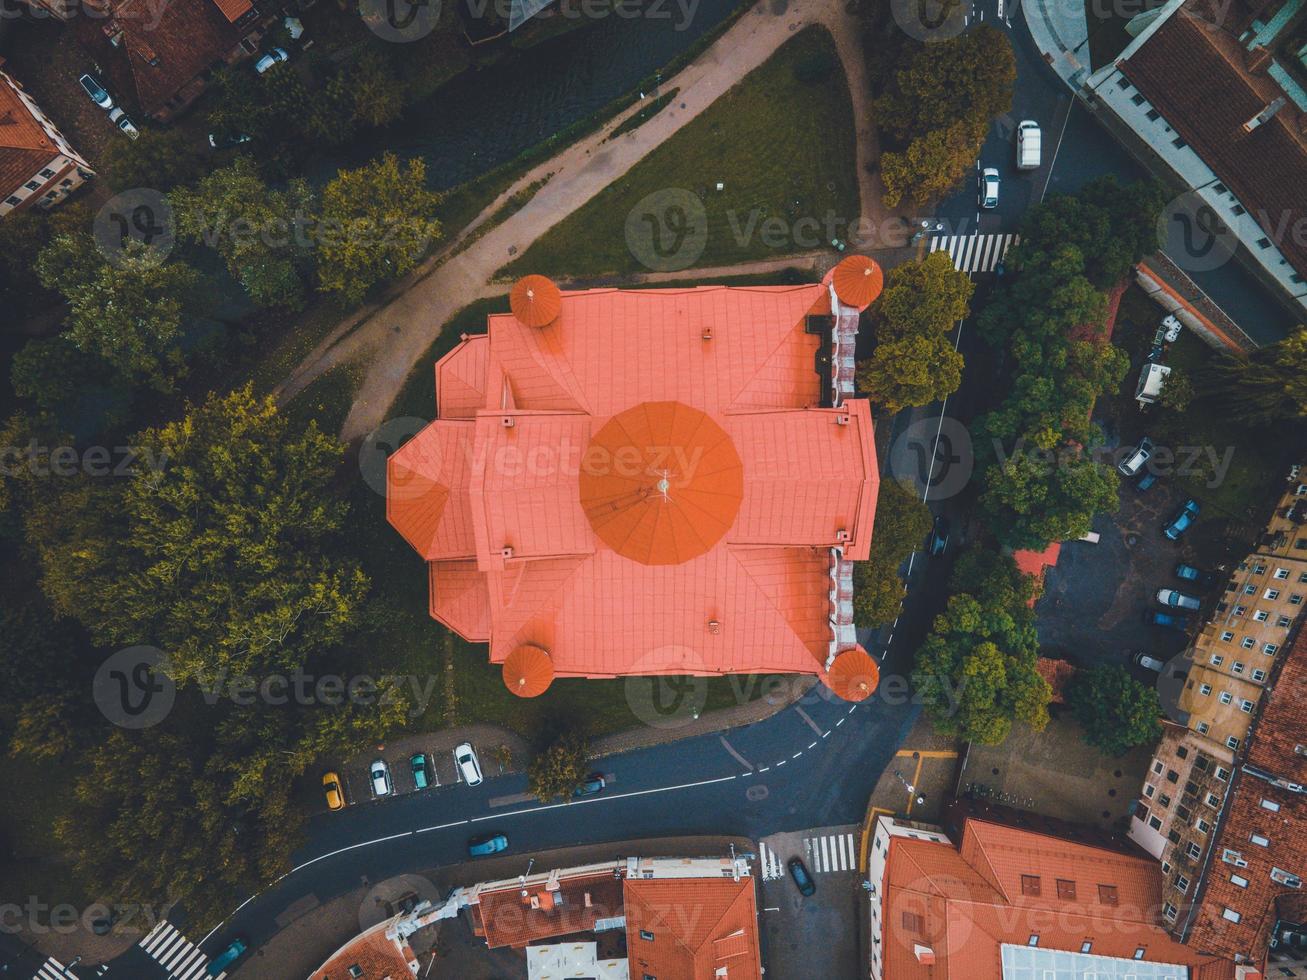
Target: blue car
[593, 784]
[1145, 482]
[1182, 521]
[227, 957]
[1169, 620]
[485, 846]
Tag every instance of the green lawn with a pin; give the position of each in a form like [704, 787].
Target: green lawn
[783, 149]
[328, 399]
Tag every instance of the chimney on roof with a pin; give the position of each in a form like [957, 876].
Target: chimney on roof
[714, 626]
[707, 333]
[1264, 116]
[1258, 58]
[925, 955]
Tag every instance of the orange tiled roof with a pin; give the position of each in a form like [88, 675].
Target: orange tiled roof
[1273, 753]
[965, 903]
[647, 482]
[25, 147]
[505, 918]
[698, 926]
[375, 957]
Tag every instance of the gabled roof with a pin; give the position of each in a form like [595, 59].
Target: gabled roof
[646, 479]
[964, 903]
[25, 147]
[1195, 74]
[698, 928]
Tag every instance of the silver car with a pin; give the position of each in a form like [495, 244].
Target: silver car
[1178, 600]
[987, 194]
[465, 758]
[380, 772]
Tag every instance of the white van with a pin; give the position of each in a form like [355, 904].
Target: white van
[1028, 145]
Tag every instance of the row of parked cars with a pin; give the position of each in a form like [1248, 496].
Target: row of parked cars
[1136, 466]
[1179, 604]
[97, 94]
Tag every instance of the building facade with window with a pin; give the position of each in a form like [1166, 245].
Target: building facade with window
[38, 166]
[1228, 669]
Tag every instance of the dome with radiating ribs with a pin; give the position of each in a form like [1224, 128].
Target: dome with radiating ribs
[535, 301]
[854, 675]
[661, 483]
[528, 671]
[858, 281]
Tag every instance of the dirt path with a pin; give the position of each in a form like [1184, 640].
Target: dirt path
[395, 335]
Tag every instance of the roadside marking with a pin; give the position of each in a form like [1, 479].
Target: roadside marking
[796, 754]
[176, 954]
[839, 723]
[1056, 148]
[764, 768]
[734, 754]
[52, 969]
[932, 754]
[808, 718]
[811, 744]
[769, 862]
[825, 733]
[833, 852]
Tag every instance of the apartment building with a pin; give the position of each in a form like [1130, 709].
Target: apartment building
[38, 166]
[1227, 671]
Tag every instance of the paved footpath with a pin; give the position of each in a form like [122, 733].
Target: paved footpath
[396, 335]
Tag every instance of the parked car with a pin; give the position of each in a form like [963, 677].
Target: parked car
[227, 957]
[381, 784]
[274, 57]
[987, 192]
[485, 846]
[92, 87]
[466, 760]
[418, 762]
[1178, 600]
[803, 880]
[1143, 660]
[1169, 620]
[938, 541]
[1183, 520]
[1028, 141]
[227, 142]
[1138, 459]
[594, 784]
[1146, 480]
[331, 786]
[119, 119]
[1171, 328]
[1197, 576]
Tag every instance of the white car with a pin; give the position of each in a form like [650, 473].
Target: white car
[380, 772]
[1178, 600]
[1133, 463]
[987, 194]
[465, 758]
[119, 119]
[1148, 663]
[273, 57]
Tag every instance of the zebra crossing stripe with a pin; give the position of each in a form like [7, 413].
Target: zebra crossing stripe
[175, 953]
[771, 864]
[974, 253]
[834, 852]
[52, 969]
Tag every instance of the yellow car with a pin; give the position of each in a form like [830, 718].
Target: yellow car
[335, 798]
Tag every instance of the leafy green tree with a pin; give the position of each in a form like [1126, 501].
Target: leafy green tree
[976, 671]
[45, 727]
[559, 769]
[1177, 390]
[1115, 710]
[130, 312]
[378, 93]
[258, 231]
[1264, 387]
[969, 77]
[24, 234]
[1031, 499]
[217, 551]
[902, 523]
[915, 370]
[927, 297]
[375, 225]
[160, 159]
[931, 164]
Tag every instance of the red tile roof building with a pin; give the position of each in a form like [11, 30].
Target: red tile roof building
[38, 166]
[667, 481]
[161, 56]
[684, 919]
[1254, 871]
[377, 954]
[971, 910]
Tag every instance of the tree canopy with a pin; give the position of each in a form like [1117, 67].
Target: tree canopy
[1264, 387]
[559, 769]
[976, 671]
[902, 523]
[1115, 710]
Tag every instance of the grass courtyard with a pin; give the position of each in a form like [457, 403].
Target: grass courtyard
[781, 144]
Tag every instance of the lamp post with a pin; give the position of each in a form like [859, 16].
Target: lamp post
[920, 798]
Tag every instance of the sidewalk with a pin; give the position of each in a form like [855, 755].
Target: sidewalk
[1060, 30]
[311, 933]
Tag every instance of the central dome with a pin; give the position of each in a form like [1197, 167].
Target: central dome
[661, 483]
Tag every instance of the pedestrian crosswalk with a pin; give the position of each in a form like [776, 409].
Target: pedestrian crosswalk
[52, 969]
[974, 253]
[175, 953]
[771, 864]
[834, 852]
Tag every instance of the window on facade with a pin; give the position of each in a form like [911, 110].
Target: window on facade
[1203, 826]
[1204, 728]
[1284, 622]
[1172, 776]
[1086, 946]
[1217, 660]
[1282, 573]
[1139, 952]
[1226, 697]
[47, 173]
[32, 185]
[648, 936]
[1204, 689]
[1149, 791]
[1270, 805]
[1179, 143]
[1237, 667]
[1259, 674]
[1261, 615]
[1066, 890]
[1181, 752]
[1137, 99]
[1248, 643]
[1030, 885]
[1222, 773]
[1250, 590]
[1181, 884]
[1259, 569]
[1191, 788]
[1246, 706]
[1033, 940]
[1123, 82]
[1163, 801]
[1238, 209]
[1259, 840]
[1239, 881]
[1295, 599]
[1107, 894]
[1263, 243]
[1240, 610]
[1227, 636]
[1230, 914]
[1193, 850]
[1155, 823]
[1201, 763]
[1231, 742]
[1158, 767]
[1213, 799]
[1169, 911]
[1154, 115]
[14, 200]
[1270, 649]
